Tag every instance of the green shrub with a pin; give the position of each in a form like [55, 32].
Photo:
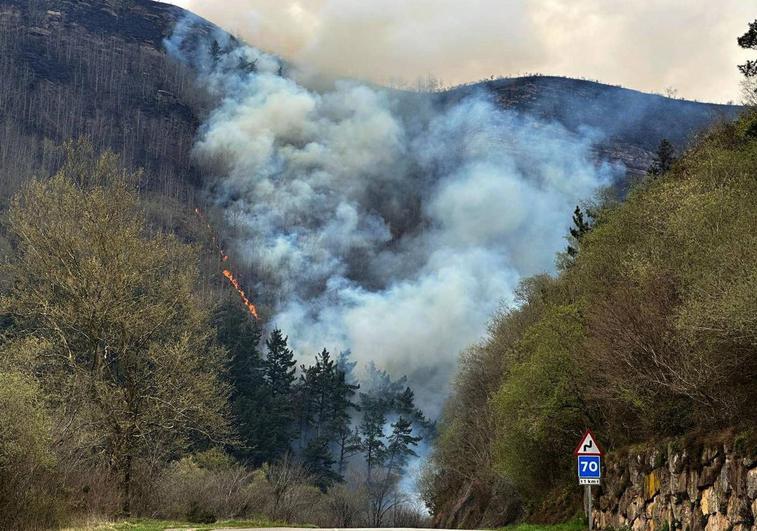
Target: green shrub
[204, 487]
[27, 483]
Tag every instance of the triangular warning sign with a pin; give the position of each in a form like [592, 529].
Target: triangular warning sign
[588, 445]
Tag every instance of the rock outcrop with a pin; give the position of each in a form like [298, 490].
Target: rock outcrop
[709, 487]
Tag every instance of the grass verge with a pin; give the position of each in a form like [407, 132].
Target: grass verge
[149, 524]
[574, 525]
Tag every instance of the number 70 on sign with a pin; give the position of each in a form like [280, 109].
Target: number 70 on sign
[589, 469]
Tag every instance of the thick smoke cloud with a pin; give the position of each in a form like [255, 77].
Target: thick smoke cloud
[643, 44]
[382, 221]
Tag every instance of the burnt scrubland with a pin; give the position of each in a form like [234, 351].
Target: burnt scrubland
[646, 334]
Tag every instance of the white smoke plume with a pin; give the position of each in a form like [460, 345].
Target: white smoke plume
[390, 223]
[650, 45]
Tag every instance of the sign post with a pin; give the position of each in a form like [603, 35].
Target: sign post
[589, 458]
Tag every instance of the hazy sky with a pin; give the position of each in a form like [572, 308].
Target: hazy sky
[650, 45]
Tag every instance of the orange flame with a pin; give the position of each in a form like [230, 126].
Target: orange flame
[228, 274]
[234, 282]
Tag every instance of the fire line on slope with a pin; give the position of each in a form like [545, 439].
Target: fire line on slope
[251, 308]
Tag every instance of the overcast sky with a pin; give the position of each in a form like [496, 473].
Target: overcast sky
[689, 45]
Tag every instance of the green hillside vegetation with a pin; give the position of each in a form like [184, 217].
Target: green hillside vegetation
[106, 334]
[648, 330]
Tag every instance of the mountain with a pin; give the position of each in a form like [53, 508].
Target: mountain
[95, 69]
[72, 68]
[631, 123]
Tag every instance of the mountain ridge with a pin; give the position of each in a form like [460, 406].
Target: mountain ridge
[634, 122]
[64, 56]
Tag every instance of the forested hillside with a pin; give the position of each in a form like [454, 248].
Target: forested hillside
[71, 69]
[647, 332]
[133, 383]
[633, 122]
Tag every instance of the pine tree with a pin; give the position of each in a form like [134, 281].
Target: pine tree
[349, 443]
[325, 399]
[345, 364]
[372, 431]
[379, 384]
[395, 457]
[748, 41]
[319, 463]
[241, 336]
[279, 365]
[405, 406]
[398, 450]
[580, 227]
[340, 428]
[328, 395]
[316, 383]
[277, 415]
[665, 158]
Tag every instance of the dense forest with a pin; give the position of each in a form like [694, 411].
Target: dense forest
[133, 384]
[647, 332]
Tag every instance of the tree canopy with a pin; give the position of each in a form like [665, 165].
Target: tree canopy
[122, 344]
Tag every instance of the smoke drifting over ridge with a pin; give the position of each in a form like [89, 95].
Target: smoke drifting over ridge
[643, 44]
[381, 221]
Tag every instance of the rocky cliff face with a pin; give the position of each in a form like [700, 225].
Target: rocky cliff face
[710, 486]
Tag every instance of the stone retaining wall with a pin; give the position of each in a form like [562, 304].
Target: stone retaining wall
[691, 487]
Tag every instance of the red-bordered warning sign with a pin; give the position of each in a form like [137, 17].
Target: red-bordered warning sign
[588, 445]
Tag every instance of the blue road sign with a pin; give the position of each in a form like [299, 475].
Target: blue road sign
[589, 468]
